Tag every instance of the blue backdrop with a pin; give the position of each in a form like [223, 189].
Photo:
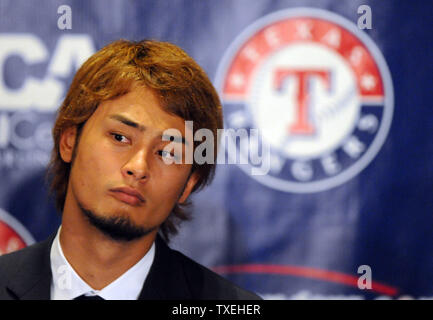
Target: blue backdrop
[349, 191]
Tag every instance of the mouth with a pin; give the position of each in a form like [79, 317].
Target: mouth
[127, 195]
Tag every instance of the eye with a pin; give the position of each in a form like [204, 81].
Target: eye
[119, 137]
[166, 154]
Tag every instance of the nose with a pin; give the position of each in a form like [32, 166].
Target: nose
[137, 167]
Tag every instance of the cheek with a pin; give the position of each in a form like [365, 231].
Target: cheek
[92, 166]
[170, 184]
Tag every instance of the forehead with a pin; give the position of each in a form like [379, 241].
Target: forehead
[143, 107]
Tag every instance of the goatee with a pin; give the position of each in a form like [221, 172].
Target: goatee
[117, 228]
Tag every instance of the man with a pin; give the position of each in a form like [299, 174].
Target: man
[120, 196]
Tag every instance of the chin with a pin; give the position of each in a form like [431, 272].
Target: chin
[118, 227]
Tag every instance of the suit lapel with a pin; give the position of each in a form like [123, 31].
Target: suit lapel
[166, 279]
[32, 279]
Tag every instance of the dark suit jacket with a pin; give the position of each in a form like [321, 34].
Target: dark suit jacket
[26, 274]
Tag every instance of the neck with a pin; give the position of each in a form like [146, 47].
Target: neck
[98, 259]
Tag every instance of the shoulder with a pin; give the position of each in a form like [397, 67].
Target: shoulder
[24, 260]
[10, 261]
[10, 265]
[208, 285]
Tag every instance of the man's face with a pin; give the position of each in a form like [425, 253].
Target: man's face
[119, 170]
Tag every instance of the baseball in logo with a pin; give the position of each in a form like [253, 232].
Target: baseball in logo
[13, 235]
[319, 91]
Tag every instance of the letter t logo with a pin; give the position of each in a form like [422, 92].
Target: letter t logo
[302, 124]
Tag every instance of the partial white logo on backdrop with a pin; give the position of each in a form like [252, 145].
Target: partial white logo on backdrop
[26, 111]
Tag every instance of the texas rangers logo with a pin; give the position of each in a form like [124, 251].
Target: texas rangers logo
[319, 91]
[13, 235]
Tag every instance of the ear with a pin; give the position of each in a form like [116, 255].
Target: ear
[67, 143]
[192, 181]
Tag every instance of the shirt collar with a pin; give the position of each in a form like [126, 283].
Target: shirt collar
[66, 284]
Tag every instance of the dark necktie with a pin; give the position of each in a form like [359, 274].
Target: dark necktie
[84, 297]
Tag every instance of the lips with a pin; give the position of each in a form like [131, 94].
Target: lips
[127, 195]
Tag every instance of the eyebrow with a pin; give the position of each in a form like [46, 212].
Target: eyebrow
[142, 128]
[127, 122]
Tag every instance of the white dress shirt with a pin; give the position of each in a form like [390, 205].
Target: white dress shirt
[66, 284]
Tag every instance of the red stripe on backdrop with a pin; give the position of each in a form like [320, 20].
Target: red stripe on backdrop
[305, 272]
